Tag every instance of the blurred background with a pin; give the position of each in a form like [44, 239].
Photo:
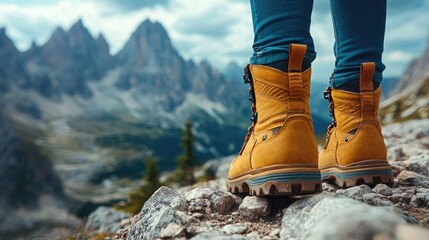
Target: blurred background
[89, 90]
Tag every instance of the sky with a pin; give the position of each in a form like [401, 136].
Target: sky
[219, 31]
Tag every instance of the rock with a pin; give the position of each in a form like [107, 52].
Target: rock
[219, 201]
[254, 207]
[401, 198]
[253, 236]
[382, 189]
[222, 202]
[399, 153]
[405, 232]
[328, 187]
[106, 219]
[412, 179]
[356, 192]
[238, 199]
[172, 231]
[198, 215]
[422, 190]
[200, 205]
[199, 193]
[185, 218]
[275, 232]
[148, 224]
[420, 200]
[376, 199]
[157, 213]
[218, 236]
[166, 196]
[313, 218]
[235, 228]
[397, 191]
[418, 164]
[197, 229]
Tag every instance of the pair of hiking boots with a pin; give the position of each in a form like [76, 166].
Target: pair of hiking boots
[280, 155]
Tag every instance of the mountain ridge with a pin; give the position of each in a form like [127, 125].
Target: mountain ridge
[99, 115]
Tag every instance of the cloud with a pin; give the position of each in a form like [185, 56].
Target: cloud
[29, 3]
[203, 23]
[217, 30]
[132, 5]
[401, 6]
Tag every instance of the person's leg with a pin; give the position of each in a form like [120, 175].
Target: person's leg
[359, 27]
[276, 25]
[355, 152]
[279, 153]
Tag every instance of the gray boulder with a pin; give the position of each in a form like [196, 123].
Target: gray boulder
[106, 219]
[325, 216]
[218, 201]
[157, 213]
[254, 207]
[355, 192]
[412, 179]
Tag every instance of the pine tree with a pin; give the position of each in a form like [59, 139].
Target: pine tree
[186, 160]
[151, 176]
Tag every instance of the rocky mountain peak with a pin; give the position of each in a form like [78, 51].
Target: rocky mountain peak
[149, 45]
[3, 33]
[410, 100]
[11, 66]
[102, 41]
[79, 36]
[34, 45]
[417, 70]
[147, 27]
[58, 35]
[6, 43]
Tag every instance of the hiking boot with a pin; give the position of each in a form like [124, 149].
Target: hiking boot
[355, 152]
[279, 154]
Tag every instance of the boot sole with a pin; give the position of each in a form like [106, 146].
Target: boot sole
[369, 172]
[277, 180]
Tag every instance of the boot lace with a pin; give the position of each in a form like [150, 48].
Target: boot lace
[247, 78]
[327, 95]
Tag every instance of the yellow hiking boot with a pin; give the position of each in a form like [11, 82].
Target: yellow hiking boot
[354, 152]
[279, 155]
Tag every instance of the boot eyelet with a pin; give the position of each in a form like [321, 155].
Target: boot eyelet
[264, 137]
[346, 139]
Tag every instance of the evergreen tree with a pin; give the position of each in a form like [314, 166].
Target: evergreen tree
[186, 160]
[151, 176]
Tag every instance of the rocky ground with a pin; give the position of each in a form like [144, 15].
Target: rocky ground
[207, 211]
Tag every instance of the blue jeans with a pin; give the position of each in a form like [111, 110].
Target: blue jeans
[359, 27]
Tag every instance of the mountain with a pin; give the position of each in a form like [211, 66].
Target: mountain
[416, 71]
[66, 62]
[10, 62]
[94, 117]
[410, 100]
[234, 71]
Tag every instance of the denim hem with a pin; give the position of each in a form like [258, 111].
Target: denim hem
[341, 79]
[264, 58]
